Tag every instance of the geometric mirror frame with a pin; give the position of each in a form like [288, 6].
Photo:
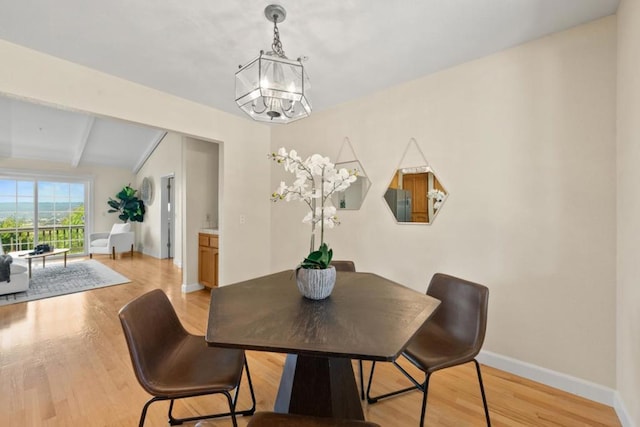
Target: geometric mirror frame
[415, 194]
[353, 197]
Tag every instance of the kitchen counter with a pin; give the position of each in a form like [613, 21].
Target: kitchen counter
[209, 231]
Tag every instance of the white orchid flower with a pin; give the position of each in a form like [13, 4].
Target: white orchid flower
[316, 179]
[308, 217]
[330, 218]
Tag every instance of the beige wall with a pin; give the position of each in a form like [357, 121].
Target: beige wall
[524, 141]
[107, 182]
[200, 163]
[165, 160]
[628, 337]
[244, 179]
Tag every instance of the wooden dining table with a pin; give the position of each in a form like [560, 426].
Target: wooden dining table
[367, 317]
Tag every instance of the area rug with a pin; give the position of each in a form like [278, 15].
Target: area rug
[56, 279]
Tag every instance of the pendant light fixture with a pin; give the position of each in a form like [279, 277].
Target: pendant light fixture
[273, 88]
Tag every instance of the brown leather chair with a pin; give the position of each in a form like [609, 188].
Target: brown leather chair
[171, 363]
[344, 265]
[270, 419]
[351, 266]
[453, 336]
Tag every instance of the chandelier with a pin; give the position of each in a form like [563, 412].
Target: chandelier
[273, 88]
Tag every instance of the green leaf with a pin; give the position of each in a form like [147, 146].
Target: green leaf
[318, 259]
[129, 207]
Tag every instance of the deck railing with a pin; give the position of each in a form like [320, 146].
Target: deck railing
[23, 238]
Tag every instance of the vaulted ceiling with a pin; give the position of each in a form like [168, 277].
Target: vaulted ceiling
[193, 48]
[30, 131]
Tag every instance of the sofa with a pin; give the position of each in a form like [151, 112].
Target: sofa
[19, 279]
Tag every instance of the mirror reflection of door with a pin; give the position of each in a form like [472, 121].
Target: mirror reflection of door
[416, 184]
[415, 195]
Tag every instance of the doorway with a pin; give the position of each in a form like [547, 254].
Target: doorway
[167, 216]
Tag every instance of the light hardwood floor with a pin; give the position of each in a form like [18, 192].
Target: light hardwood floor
[64, 362]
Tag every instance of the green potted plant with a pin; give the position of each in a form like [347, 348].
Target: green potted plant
[128, 206]
[317, 179]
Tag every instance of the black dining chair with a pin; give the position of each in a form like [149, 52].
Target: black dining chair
[452, 337]
[350, 266]
[271, 419]
[171, 363]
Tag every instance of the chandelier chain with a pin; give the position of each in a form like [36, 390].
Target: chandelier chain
[277, 44]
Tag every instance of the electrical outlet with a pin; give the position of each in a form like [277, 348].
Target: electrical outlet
[243, 219]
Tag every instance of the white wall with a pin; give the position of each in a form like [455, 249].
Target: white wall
[107, 182]
[628, 338]
[165, 160]
[200, 162]
[524, 141]
[244, 179]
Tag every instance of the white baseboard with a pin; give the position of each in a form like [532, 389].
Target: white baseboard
[568, 383]
[177, 263]
[621, 411]
[191, 287]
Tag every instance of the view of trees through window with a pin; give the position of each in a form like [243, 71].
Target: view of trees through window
[36, 212]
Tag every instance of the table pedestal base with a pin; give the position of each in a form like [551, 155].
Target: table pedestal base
[319, 386]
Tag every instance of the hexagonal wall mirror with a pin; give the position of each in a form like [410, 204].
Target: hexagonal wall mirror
[353, 197]
[415, 194]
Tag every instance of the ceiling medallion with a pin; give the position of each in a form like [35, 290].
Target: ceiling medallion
[273, 88]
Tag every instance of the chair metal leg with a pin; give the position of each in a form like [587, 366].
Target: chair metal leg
[172, 421]
[373, 367]
[424, 399]
[143, 415]
[251, 410]
[416, 385]
[178, 421]
[424, 388]
[361, 380]
[232, 405]
[484, 397]
[232, 409]
[253, 395]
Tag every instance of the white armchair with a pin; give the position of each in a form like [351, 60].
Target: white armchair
[119, 239]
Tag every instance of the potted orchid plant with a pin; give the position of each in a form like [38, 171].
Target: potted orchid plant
[316, 180]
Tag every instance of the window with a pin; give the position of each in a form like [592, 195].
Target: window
[50, 211]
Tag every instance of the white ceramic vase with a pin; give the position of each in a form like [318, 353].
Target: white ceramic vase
[316, 283]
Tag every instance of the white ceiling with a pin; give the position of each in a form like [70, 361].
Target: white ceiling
[355, 47]
[30, 131]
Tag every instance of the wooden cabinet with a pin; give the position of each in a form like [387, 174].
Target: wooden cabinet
[208, 260]
[417, 184]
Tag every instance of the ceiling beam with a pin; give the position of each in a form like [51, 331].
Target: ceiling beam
[82, 144]
[150, 149]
